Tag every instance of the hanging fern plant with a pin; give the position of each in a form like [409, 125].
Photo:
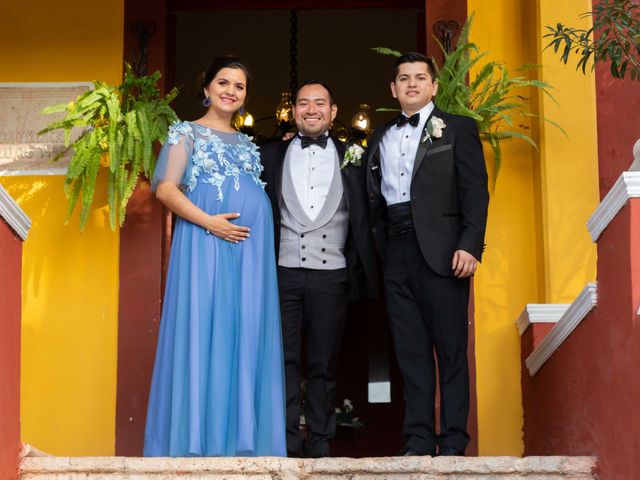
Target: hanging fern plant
[121, 124]
[492, 96]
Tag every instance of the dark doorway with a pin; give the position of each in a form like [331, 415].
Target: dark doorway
[333, 42]
[332, 45]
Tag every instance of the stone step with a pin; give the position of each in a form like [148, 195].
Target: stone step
[423, 468]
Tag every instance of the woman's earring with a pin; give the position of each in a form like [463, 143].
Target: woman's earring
[206, 102]
[241, 110]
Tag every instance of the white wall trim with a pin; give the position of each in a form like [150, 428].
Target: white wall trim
[635, 165]
[540, 313]
[571, 318]
[44, 84]
[26, 173]
[13, 214]
[627, 186]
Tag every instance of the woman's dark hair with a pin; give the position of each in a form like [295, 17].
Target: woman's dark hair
[413, 57]
[225, 61]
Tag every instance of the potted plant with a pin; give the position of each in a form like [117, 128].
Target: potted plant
[492, 96]
[120, 125]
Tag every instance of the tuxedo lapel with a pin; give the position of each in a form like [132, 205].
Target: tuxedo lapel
[282, 152]
[341, 148]
[423, 147]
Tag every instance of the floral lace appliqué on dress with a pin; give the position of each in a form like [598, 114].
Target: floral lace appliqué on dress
[213, 160]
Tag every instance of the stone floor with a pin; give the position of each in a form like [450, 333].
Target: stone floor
[427, 468]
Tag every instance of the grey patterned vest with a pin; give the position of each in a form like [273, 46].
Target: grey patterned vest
[317, 244]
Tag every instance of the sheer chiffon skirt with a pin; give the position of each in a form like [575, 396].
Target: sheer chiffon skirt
[217, 387]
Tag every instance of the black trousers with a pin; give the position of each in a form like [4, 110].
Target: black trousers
[313, 307]
[428, 313]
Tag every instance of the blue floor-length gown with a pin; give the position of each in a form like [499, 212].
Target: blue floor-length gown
[217, 387]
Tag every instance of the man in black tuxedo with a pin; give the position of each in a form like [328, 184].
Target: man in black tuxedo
[325, 253]
[427, 184]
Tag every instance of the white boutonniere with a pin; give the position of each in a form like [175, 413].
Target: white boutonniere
[353, 156]
[433, 129]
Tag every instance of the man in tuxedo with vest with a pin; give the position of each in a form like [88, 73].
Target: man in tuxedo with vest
[427, 185]
[325, 254]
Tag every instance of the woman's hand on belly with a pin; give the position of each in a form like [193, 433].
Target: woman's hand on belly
[220, 226]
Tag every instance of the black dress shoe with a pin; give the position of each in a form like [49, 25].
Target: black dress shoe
[450, 452]
[315, 452]
[316, 455]
[408, 452]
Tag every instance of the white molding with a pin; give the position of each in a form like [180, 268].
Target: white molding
[571, 318]
[39, 172]
[635, 165]
[44, 84]
[13, 214]
[540, 313]
[626, 187]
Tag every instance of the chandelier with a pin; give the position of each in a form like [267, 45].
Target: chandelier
[358, 130]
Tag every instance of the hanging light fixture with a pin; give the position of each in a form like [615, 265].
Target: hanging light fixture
[248, 120]
[361, 120]
[360, 126]
[243, 121]
[284, 110]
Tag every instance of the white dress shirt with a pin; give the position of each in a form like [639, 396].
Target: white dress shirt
[398, 150]
[312, 170]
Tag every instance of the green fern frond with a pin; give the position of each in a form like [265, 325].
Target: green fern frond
[121, 121]
[386, 51]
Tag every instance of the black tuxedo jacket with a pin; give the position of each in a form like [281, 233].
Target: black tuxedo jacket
[359, 250]
[449, 196]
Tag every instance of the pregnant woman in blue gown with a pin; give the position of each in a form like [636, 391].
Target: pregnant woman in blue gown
[217, 387]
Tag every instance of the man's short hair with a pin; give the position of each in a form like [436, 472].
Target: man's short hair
[313, 81]
[413, 57]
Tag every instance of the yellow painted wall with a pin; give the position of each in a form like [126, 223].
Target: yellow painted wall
[538, 249]
[70, 280]
[569, 166]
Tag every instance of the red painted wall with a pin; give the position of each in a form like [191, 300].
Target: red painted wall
[583, 401]
[618, 107]
[442, 10]
[10, 309]
[138, 316]
[141, 262]
[532, 337]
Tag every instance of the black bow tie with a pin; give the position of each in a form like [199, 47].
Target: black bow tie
[413, 120]
[305, 141]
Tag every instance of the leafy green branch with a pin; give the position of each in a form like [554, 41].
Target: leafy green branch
[120, 124]
[614, 37]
